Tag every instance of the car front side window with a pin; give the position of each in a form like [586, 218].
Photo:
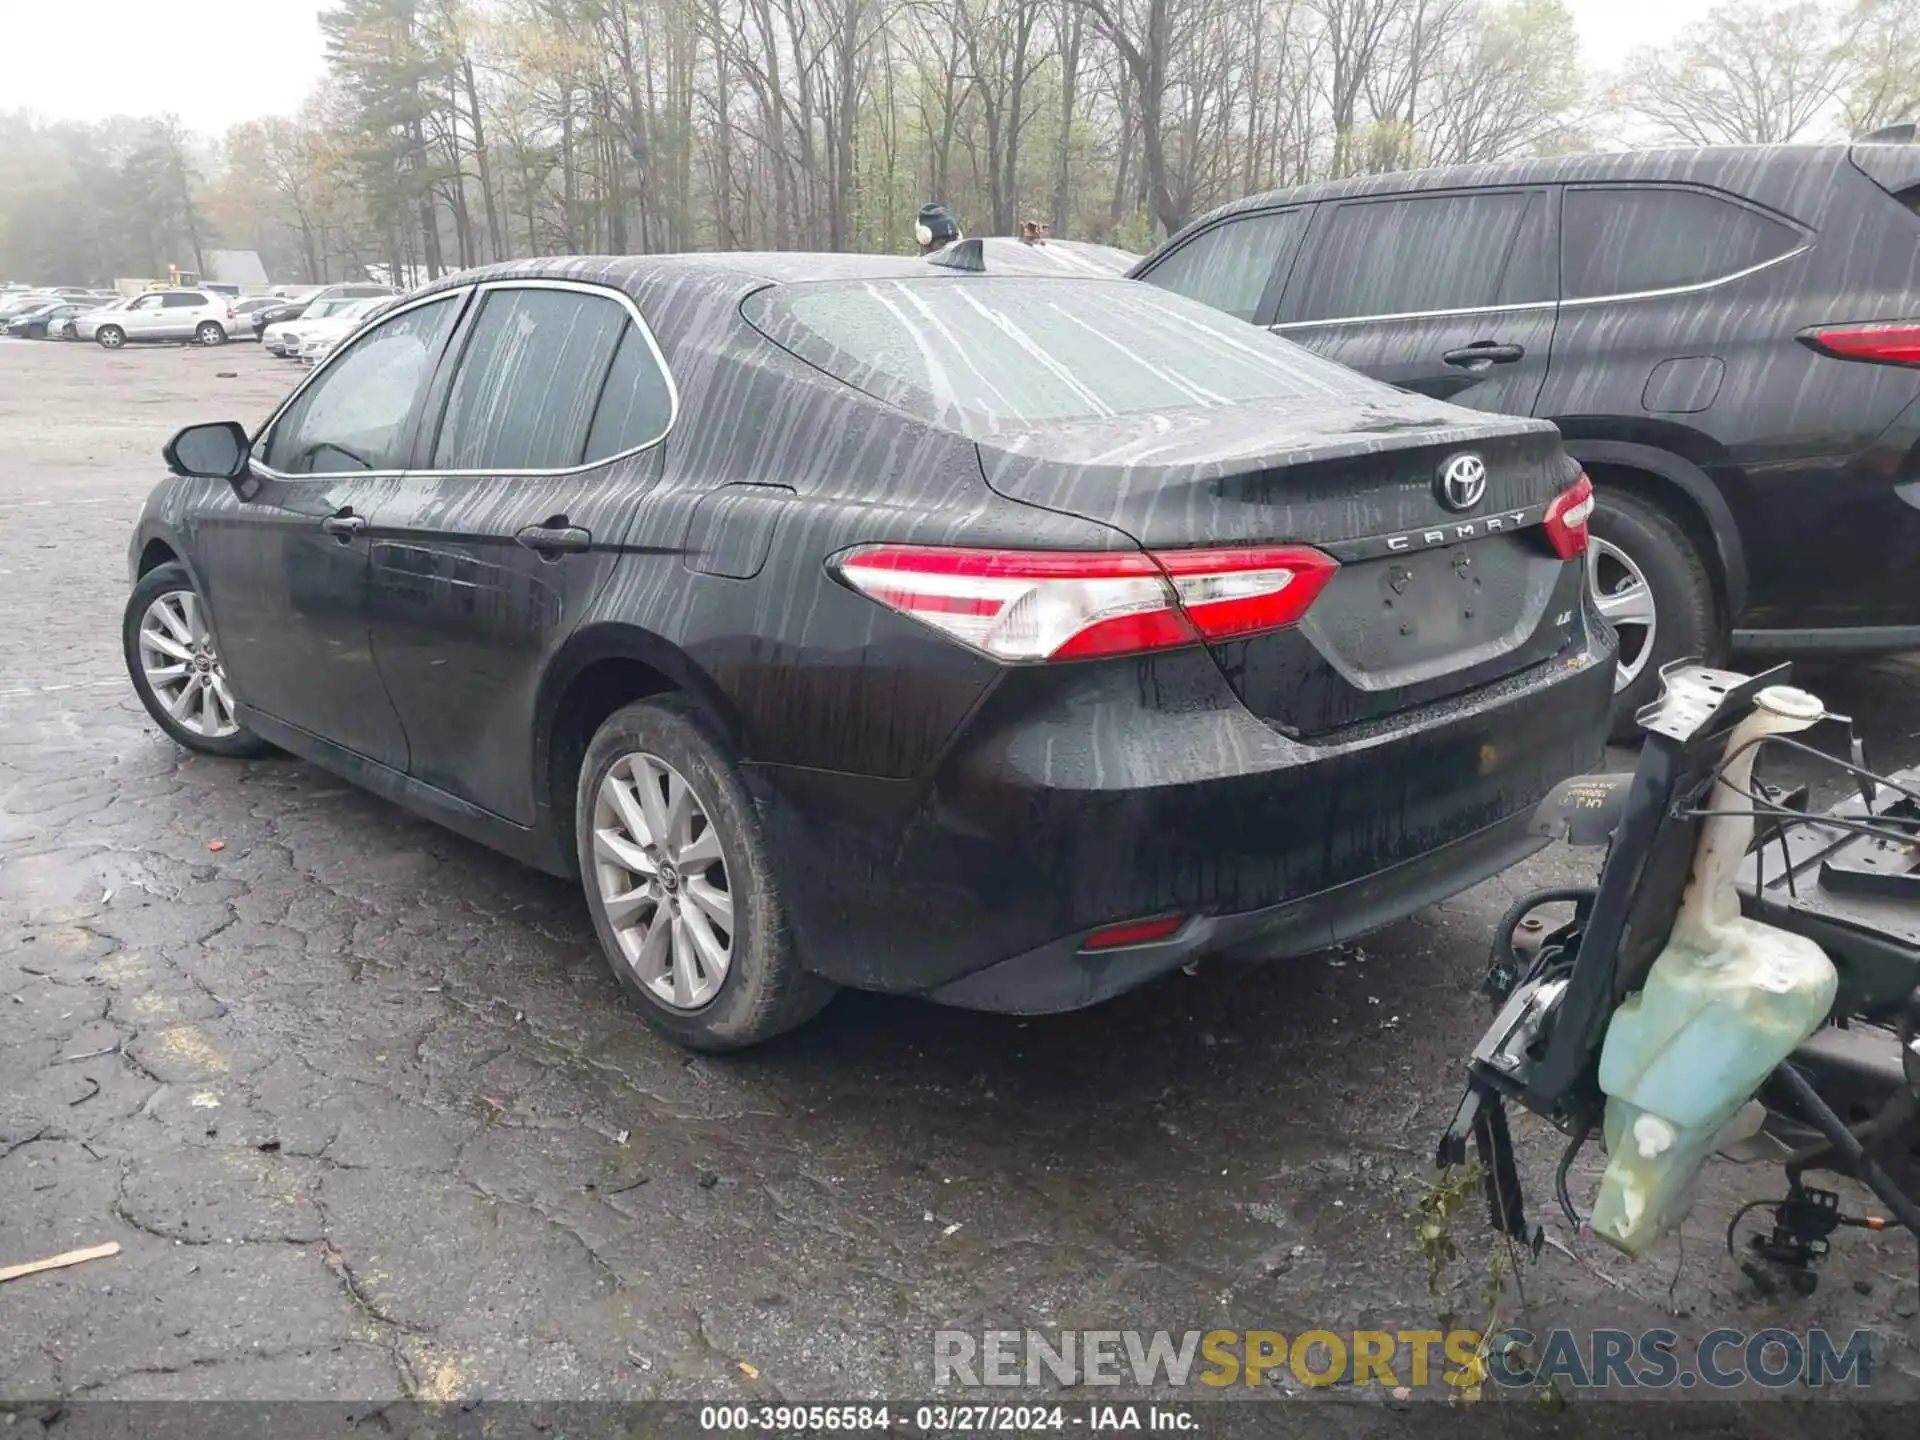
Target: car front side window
[1229, 265]
[353, 417]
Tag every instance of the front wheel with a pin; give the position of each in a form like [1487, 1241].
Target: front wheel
[1649, 580]
[111, 337]
[210, 333]
[678, 877]
[176, 670]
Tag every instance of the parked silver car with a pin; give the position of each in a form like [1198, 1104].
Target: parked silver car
[243, 312]
[197, 315]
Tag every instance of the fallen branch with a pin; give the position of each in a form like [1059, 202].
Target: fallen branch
[60, 1262]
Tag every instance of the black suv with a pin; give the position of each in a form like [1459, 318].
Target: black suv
[1727, 339]
[1000, 637]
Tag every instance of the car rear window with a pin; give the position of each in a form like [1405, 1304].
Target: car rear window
[984, 352]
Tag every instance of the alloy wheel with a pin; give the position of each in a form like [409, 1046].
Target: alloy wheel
[662, 881]
[111, 338]
[183, 669]
[1621, 591]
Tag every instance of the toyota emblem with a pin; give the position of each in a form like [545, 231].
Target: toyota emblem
[1463, 482]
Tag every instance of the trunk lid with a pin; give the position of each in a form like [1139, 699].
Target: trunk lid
[1430, 600]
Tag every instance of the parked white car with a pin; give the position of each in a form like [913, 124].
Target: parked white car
[324, 304]
[316, 339]
[197, 315]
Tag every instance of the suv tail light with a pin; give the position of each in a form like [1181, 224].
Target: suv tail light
[1566, 518]
[1032, 605]
[1885, 342]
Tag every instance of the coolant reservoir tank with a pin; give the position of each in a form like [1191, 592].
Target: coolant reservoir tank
[1727, 1000]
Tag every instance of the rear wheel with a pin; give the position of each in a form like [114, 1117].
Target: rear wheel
[677, 875]
[176, 669]
[111, 337]
[1651, 582]
[210, 332]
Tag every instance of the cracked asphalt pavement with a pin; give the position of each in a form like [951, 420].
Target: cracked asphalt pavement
[365, 1110]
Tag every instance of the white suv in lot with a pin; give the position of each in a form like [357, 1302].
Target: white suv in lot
[197, 315]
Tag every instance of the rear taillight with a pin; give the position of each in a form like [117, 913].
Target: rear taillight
[1134, 932]
[1566, 518]
[1885, 342]
[1031, 605]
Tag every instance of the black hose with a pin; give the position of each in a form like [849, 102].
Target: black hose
[1848, 1144]
[1504, 958]
[1574, 1217]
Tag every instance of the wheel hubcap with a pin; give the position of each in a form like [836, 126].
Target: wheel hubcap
[182, 667]
[1621, 591]
[662, 881]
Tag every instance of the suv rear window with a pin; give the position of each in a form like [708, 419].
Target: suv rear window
[1624, 241]
[982, 352]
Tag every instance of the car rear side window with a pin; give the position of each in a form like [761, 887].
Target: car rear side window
[1412, 256]
[1626, 241]
[981, 354]
[524, 393]
[636, 404]
[353, 417]
[182, 299]
[1228, 266]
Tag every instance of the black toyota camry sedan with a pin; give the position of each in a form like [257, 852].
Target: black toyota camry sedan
[997, 638]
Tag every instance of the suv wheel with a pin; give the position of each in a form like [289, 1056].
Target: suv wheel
[210, 332]
[176, 670]
[1651, 583]
[675, 867]
[111, 337]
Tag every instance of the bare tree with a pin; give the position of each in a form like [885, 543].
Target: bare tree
[1744, 74]
[1883, 86]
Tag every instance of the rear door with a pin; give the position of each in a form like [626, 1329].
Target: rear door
[550, 412]
[1450, 295]
[180, 312]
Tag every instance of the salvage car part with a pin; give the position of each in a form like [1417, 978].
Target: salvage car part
[1840, 892]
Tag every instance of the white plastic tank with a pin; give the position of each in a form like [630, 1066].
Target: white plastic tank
[1727, 1000]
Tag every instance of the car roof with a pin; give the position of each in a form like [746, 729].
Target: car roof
[741, 272]
[1767, 173]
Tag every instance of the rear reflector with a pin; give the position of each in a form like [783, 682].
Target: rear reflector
[1133, 932]
[1885, 342]
[1566, 518]
[1033, 605]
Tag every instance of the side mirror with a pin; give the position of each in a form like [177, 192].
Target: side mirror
[209, 452]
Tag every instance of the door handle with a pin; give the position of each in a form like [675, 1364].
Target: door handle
[1483, 353]
[554, 537]
[344, 526]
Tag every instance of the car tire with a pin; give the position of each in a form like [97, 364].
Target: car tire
[700, 943]
[210, 332]
[110, 337]
[1649, 578]
[201, 721]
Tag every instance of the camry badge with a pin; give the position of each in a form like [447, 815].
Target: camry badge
[1462, 482]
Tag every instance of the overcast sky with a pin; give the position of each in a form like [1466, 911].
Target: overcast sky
[214, 62]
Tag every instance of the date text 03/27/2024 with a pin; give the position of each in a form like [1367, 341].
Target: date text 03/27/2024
[961, 1419]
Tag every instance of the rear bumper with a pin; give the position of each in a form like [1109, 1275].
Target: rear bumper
[1060, 976]
[1135, 789]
